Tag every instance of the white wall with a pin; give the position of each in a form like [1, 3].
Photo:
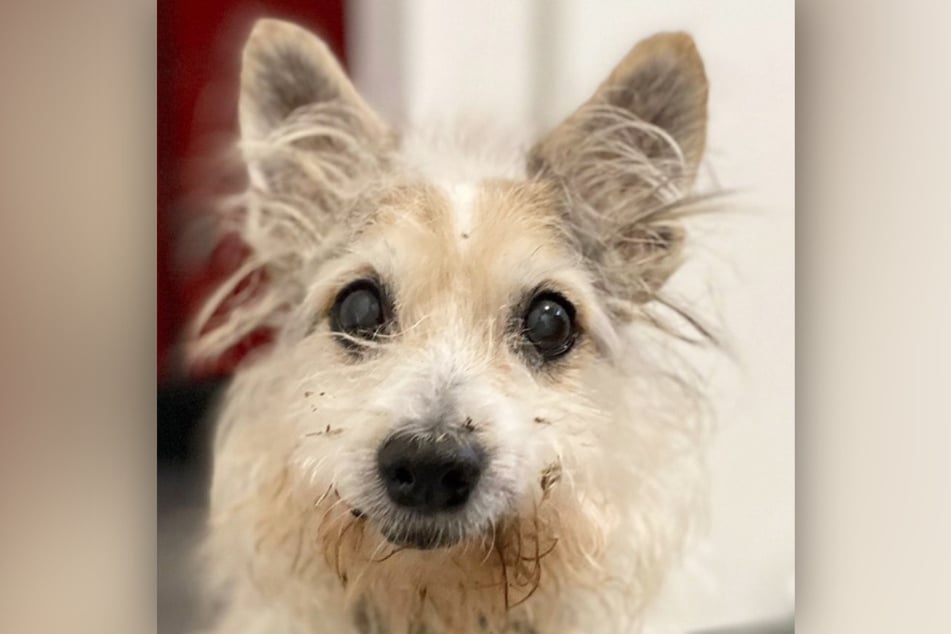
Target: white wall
[450, 56]
[529, 63]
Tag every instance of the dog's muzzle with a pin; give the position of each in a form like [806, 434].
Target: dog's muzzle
[429, 477]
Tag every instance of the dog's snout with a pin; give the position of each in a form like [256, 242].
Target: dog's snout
[430, 475]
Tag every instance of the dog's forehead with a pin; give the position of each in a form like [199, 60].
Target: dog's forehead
[471, 231]
[472, 210]
[498, 211]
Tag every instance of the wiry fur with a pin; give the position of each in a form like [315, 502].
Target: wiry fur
[595, 472]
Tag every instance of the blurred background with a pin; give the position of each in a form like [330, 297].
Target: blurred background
[524, 65]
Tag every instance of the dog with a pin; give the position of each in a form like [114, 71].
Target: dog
[472, 418]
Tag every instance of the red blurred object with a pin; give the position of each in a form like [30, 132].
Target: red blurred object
[199, 45]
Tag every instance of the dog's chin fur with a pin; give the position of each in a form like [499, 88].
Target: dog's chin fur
[422, 539]
[594, 473]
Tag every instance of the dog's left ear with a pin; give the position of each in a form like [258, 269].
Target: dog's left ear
[626, 156]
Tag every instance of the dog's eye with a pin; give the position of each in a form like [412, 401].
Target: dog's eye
[358, 310]
[550, 325]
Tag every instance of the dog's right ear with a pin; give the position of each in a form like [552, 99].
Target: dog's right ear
[295, 96]
[285, 68]
[310, 145]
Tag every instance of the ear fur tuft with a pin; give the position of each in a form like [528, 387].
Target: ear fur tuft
[626, 157]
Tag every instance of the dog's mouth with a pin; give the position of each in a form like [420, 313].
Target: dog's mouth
[420, 537]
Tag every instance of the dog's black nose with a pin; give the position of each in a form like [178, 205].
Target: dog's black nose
[430, 475]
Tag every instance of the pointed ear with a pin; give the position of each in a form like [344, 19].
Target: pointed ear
[301, 118]
[285, 68]
[626, 157]
[662, 81]
[311, 147]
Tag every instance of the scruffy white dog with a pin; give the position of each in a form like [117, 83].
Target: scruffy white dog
[471, 418]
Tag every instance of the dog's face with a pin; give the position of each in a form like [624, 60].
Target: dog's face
[454, 382]
[449, 347]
